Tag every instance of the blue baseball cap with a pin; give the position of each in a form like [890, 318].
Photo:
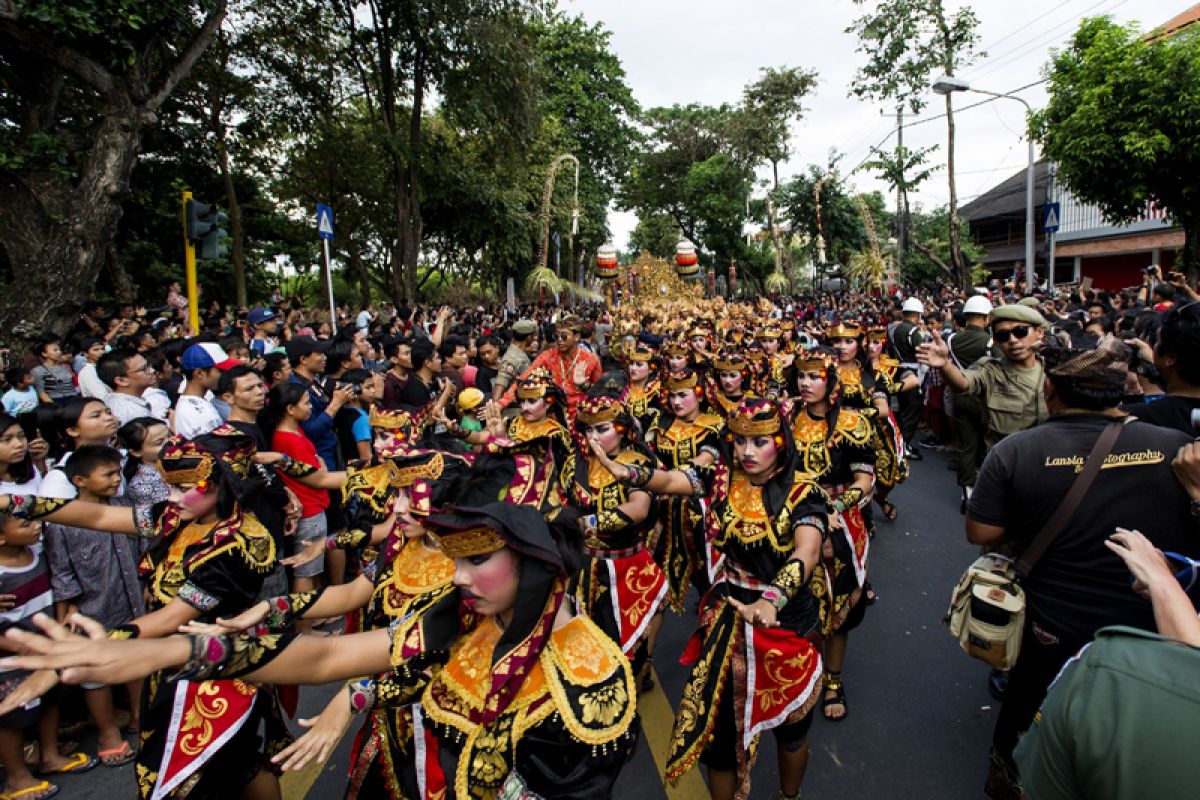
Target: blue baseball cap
[258, 316]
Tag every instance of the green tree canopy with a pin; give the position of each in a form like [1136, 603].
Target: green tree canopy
[1123, 124]
[690, 169]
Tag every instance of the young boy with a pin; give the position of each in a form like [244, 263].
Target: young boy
[95, 573]
[352, 421]
[471, 407]
[265, 324]
[24, 577]
[21, 397]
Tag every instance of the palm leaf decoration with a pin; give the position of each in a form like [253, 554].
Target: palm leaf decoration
[776, 282]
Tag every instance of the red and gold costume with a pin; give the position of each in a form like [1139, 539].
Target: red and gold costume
[682, 551]
[859, 386]
[619, 585]
[200, 739]
[746, 679]
[729, 362]
[832, 459]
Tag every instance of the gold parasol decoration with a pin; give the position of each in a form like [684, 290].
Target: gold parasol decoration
[655, 282]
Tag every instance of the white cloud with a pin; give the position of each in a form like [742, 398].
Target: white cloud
[705, 51]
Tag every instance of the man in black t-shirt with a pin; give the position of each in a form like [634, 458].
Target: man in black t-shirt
[274, 504]
[422, 386]
[1177, 359]
[1078, 586]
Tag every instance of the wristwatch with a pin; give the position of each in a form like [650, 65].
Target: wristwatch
[1196, 508]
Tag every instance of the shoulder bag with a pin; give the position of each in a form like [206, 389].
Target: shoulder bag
[987, 607]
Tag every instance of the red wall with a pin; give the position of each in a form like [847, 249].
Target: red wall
[1121, 271]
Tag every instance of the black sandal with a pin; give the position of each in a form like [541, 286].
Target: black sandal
[646, 684]
[833, 683]
[888, 508]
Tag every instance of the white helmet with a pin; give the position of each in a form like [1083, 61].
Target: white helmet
[977, 305]
[913, 306]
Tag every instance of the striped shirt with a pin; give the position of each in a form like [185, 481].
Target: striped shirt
[31, 586]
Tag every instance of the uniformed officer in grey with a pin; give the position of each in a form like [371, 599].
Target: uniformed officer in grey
[517, 358]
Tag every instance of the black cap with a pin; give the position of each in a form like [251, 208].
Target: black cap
[304, 345]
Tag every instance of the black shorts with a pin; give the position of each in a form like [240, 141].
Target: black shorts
[22, 718]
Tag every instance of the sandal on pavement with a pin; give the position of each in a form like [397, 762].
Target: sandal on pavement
[888, 508]
[46, 789]
[117, 756]
[646, 683]
[76, 763]
[833, 683]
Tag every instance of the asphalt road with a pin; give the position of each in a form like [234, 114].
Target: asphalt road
[920, 715]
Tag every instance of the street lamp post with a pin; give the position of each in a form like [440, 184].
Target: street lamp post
[947, 84]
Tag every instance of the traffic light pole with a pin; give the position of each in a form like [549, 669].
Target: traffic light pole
[189, 251]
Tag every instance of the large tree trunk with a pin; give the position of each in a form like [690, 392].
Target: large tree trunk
[57, 234]
[237, 230]
[358, 269]
[962, 273]
[57, 237]
[124, 290]
[413, 223]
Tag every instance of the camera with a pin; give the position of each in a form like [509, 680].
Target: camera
[332, 385]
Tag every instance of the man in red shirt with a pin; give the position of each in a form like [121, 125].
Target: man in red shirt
[573, 368]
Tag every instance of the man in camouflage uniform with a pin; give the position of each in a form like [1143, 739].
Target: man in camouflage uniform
[517, 358]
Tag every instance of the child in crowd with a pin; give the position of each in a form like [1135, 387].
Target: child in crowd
[22, 397]
[54, 380]
[289, 405]
[90, 384]
[353, 420]
[25, 578]
[22, 462]
[471, 407]
[143, 440]
[95, 573]
[81, 421]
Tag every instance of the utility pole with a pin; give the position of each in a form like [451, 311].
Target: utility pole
[189, 263]
[1051, 236]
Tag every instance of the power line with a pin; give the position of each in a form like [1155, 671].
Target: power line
[1025, 27]
[993, 58]
[1039, 41]
[884, 121]
[923, 120]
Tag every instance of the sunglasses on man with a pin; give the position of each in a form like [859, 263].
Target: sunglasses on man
[1018, 331]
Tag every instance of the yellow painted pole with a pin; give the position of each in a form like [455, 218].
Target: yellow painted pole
[193, 293]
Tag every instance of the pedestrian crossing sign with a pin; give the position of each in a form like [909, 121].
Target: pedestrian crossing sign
[324, 221]
[1050, 218]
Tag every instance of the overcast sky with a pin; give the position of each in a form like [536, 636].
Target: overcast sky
[705, 51]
